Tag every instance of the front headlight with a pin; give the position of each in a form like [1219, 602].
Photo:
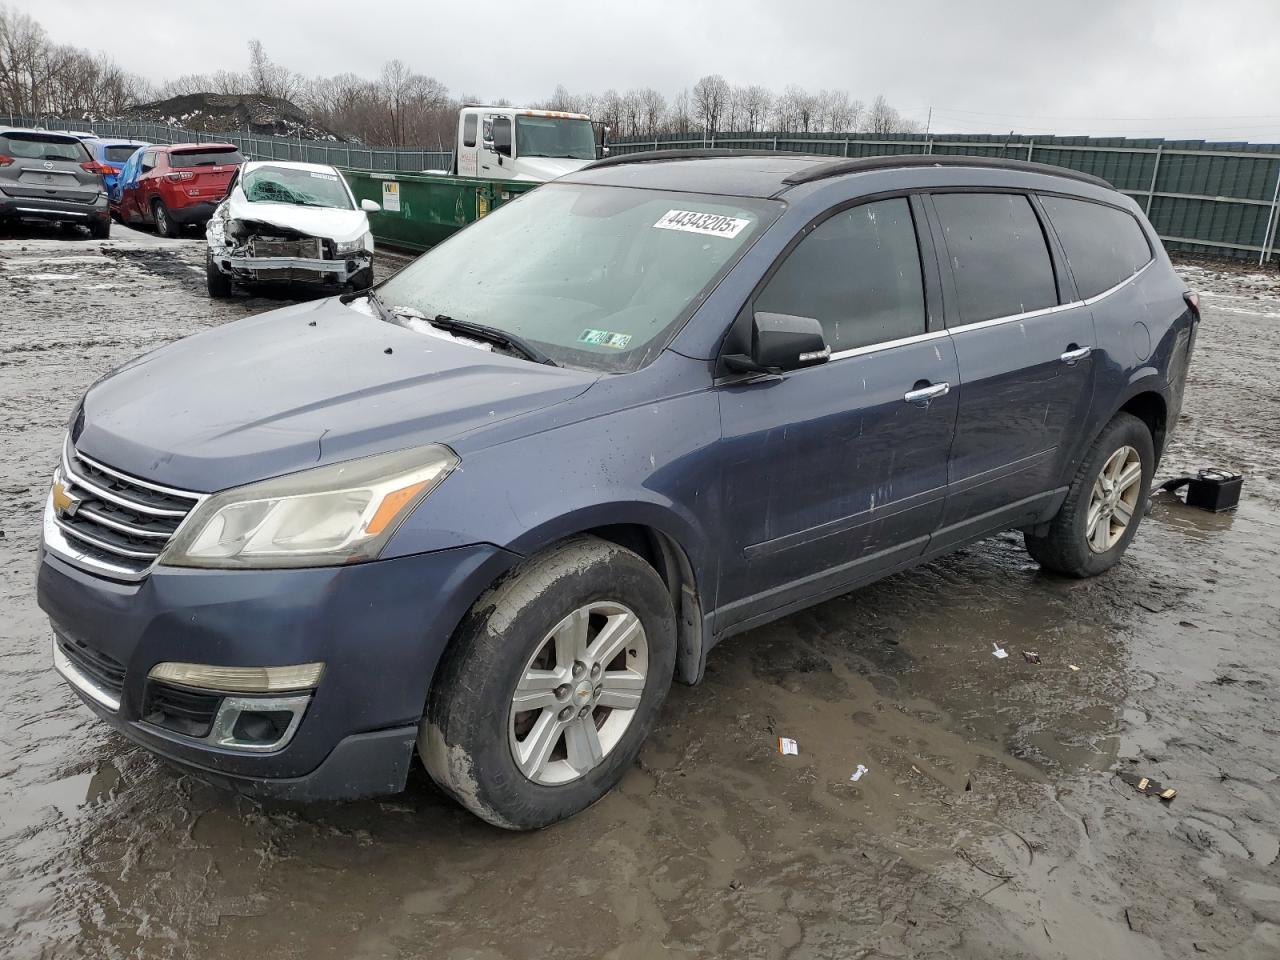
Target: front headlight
[341, 513]
[355, 246]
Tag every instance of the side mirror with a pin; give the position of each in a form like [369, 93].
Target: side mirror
[370, 206]
[604, 151]
[781, 342]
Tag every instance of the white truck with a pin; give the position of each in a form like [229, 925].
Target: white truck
[515, 143]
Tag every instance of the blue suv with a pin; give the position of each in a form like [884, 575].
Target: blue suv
[491, 509]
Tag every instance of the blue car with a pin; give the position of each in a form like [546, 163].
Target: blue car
[488, 511]
[113, 154]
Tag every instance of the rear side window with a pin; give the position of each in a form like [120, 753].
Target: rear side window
[469, 130]
[204, 158]
[998, 254]
[40, 146]
[1104, 246]
[858, 274]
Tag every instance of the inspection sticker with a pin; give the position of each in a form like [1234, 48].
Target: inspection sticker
[323, 176]
[603, 338]
[711, 224]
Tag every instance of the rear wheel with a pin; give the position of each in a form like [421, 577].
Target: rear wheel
[219, 283]
[165, 225]
[551, 685]
[1104, 505]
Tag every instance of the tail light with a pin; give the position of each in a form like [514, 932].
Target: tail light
[178, 175]
[5, 160]
[1193, 304]
[93, 166]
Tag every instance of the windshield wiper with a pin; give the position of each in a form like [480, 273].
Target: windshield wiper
[478, 331]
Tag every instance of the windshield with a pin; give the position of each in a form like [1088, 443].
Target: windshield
[204, 158]
[42, 146]
[554, 137]
[307, 188]
[595, 277]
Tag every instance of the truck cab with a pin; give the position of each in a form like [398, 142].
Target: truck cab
[513, 143]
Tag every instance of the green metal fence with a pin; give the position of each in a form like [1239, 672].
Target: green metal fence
[418, 211]
[1218, 198]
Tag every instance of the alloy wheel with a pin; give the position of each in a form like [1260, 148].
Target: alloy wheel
[1114, 499]
[578, 693]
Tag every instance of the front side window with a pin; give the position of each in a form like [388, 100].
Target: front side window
[1104, 246]
[858, 274]
[469, 130]
[555, 137]
[998, 254]
[148, 161]
[303, 188]
[596, 277]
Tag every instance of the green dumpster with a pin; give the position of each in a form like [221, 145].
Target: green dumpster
[419, 210]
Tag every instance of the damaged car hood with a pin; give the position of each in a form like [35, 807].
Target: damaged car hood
[309, 384]
[326, 222]
[546, 168]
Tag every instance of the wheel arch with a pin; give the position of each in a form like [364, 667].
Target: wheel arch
[1151, 407]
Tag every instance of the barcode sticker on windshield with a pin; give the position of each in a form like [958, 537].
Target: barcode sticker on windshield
[324, 176]
[711, 224]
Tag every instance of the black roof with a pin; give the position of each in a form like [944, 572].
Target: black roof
[766, 173]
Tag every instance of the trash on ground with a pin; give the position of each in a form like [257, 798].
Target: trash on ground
[1074, 668]
[1147, 786]
[998, 652]
[788, 746]
[1212, 489]
[857, 774]
[1030, 656]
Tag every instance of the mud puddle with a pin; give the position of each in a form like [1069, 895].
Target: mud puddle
[989, 823]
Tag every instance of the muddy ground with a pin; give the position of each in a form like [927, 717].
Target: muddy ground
[991, 823]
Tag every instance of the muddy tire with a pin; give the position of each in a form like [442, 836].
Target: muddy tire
[219, 283]
[1104, 505]
[551, 685]
[100, 229]
[165, 225]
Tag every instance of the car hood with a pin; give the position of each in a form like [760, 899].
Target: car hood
[298, 387]
[546, 168]
[325, 222]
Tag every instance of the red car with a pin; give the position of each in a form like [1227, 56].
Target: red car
[175, 186]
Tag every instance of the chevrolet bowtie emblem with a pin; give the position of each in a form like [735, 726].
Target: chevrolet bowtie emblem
[65, 503]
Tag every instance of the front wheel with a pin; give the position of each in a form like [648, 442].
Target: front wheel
[1104, 505]
[217, 282]
[551, 685]
[100, 229]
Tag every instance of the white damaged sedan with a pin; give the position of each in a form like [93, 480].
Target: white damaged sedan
[289, 222]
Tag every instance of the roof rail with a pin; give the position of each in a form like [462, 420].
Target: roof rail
[686, 153]
[837, 168]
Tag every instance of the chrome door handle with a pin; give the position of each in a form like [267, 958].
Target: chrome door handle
[922, 396]
[1071, 356]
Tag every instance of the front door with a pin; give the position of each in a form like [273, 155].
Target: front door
[1026, 364]
[494, 152]
[835, 473]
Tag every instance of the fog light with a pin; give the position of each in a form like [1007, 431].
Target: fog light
[302, 676]
[258, 724]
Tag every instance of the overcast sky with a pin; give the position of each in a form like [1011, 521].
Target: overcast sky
[1181, 68]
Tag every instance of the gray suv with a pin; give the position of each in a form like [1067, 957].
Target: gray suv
[50, 176]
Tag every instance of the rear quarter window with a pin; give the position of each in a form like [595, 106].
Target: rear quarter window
[998, 254]
[1104, 246]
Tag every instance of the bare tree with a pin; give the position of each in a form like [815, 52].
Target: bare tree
[710, 101]
[679, 119]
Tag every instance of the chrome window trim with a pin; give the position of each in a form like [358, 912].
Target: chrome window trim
[71, 673]
[1110, 290]
[887, 345]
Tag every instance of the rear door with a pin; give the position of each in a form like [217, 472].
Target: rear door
[47, 166]
[1025, 355]
[202, 174]
[835, 473]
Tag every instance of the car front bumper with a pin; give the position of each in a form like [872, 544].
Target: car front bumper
[191, 213]
[379, 629]
[294, 269]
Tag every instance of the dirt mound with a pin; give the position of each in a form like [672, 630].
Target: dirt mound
[216, 112]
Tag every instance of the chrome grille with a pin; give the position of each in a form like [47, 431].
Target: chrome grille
[120, 524]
